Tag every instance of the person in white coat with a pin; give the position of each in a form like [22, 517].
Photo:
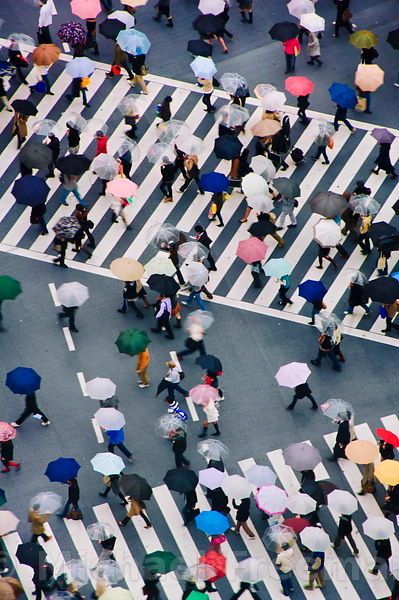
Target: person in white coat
[46, 12]
[211, 417]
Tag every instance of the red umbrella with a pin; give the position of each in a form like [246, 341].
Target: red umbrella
[215, 560]
[251, 250]
[298, 524]
[299, 86]
[388, 436]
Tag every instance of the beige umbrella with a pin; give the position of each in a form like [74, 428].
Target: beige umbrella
[262, 89]
[10, 588]
[127, 269]
[361, 452]
[266, 128]
[369, 77]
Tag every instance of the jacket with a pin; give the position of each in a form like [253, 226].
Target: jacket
[204, 239]
[73, 137]
[37, 521]
[242, 510]
[179, 444]
[344, 525]
[313, 47]
[302, 390]
[292, 47]
[30, 400]
[143, 360]
[136, 506]
[357, 295]
[383, 548]
[137, 62]
[20, 125]
[343, 434]
[73, 491]
[101, 145]
[116, 436]
[54, 145]
[168, 172]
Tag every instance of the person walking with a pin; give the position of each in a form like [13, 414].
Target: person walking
[256, 269]
[343, 17]
[112, 483]
[172, 380]
[316, 571]
[326, 349]
[101, 143]
[60, 246]
[211, 378]
[345, 531]
[387, 451]
[136, 509]
[37, 524]
[302, 104]
[357, 297]
[245, 7]
[323, 139]
[291, 49]
[73, 136]
[390, 311]
[68, 312]
[284, 561]
[17, 59]
[150, 587]
[7, 457]
[45, 20]
[79, 86]
[37, 217]
[383, 161]
[302, 391]
[162, 315]
[313, 49]
[107, 546]
[163, 110]
[245, 586]
[368, 55]
[116, 437]
[131, 291]
[341, 115]
[211, 418]
[194, 342]
[363, 239]
[168, 173]
[91, 38]
[343, 438]
[179, 446]
[69, 185]
[317, 306]
[31, 408]
[217, 202]
[195, 294]
[72, 500]
[287, 210]
[242, 517]
[207, 90]
[324, 253]
[3, 95]
[53, 143]
[20, 128]
[368, 481]
[285, 282]
[139, 68]
[143, 361]
[189, 510]
[118, 210]
[173, 408]
[119, 60]
[174, 258]
[203, 238]
[391, 501]
[163, 8]
[82, 214]
[192, 173]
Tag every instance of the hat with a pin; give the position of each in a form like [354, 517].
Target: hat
[168, 98]
[99, 133]
[170, 364]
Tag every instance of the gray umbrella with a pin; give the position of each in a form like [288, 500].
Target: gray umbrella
[327, 204]
[301, 456]
[35, 155]
[286, 187]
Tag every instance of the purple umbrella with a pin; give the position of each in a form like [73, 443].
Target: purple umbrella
[72, 33]
[383, 136]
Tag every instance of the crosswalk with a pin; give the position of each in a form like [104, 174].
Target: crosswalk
[346, 577]
[351, 159]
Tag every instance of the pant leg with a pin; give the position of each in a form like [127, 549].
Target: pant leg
[111, 448]
[104, 555]
[197, 181]
[145, 519]
[281, 219]
[200, 301]
[352, 542]
[349, 126]
[337, 541]
[127, 68]
[64, 195]
[324, 152]
[211, 261]
[332, 356]
[140, 80]
[4, 100]
[163, 188]
[292, 217]
[313, 401]
[318, 151]
[84, 95]
[43, 416]
[206, 99]
[218, 214]
[65, 510]
[24, 415]
[178, 388]
[257, 280]
[124, 450]
[47, 82]
[71, 318]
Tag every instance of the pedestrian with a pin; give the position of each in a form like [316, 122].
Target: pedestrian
[119, 60]
[3, 96]
[43, 579]
[37, 524]
[107, 546]
[78, 241]
[323, 139]
[287, 210]
[53, 143]
[326, 349]
[256, 269]
[112, 483]
[194, 342]
[302, 391]
[131, 292]
[125, 164]
[31, 408]
[73, 136]
[342, 439]
[242, 517]
[217, 202]
[162, 314]
[179, 446]
[391, 501]
[368, 55]
[68, 312]
[316, 571]
[79, 86]
[72, 500]
[390, 310]
[116, 437]
[140, 69]
[91, 37]
[219, 500]
[81, 213]
[40, 72]
[367, 482]
[207, 90]
[7, 457]
[37, 217]
[17, 59]
[172, 380]
[224, 15]
[271, 219]
[211, 418]
[345, 531]
[317, 306]
[136, 509]
[192, 173]
[131, 133]
[60, 246]
[143, 361]
[303, 103]
[101, 145]
[45, 20]
[245, 586]
[245, 7]
[285, 282]
[343, 17]
[383, 161]
[211, 378]
[313, 49]
[174, 409]
[20, 128]
[324, 253]
[163, 8]
[195, 294]
[357, 297]
[69, 184]
[363, 239]
[150, 587]
[382, 261]
[341, 115]
[163, 110]
[284, 562]
[291, 49]
[174, 257]
[189, 510]
[386, 450]
[168, 173]
[203, 238]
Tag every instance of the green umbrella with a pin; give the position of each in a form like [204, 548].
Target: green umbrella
[198, 596]
[9, 288]
[132, 341]
[160, 562]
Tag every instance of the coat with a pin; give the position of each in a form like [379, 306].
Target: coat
[20, 125]
[73, 491]
[357, 295]
[383, 548]
[383, 160]
[242, 510]
[292, 47]
[136, 506]
[37, 521]
[345, 525]
[313, 48]
[211, 412]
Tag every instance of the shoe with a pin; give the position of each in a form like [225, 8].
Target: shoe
[88, 105]
[121, 310]
[46, 423]
[144, 385]
[144, 93]
[4, 571]
[216, 433]
[130, 459]
[185, 303]
[220, 225]
[309, 62]
[289, 407]
[50, 94]
[314, 407]
[396, 84]
[200, 435]
[65, 203]
[368, 112]
[319, 267]
[325, 162]
[74, 329]
[353, 130]
[279, 228]
[308, 587]
[15, 425]
[316, 364]
[292, 225]
[5, 470]
[102, 494]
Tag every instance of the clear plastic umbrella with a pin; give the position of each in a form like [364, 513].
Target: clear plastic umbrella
[301, 504]
[327, 323]
[201, 318]
[100, 388]
[24, 40]
[260, 202]
[364, 205]
[213, 450]
[356, 277]
[72, 294]
[78, 571]
[342, 502]
[128, 106]
[236, 486]
[94, 125]
[262, 89]
[197, 274]
[107, 463]
[105, 166]
[167, 425]
[159, 265]
[159, 150]
[231, 82]
[259, 475]
[190, 144]
[46, 503]
[76, 121]
[107, 570]
[171, 129]
[315, 539]
[160, 235]
[326, 128]
[192, 251]
[110, 419]
[130, 148]
[263, 166]
[201, 572]
[44, 127]
[203, 67]
[277, 535]
[251, 570]
[99, 531]
[335, 407]
[232, 115]
[274, 101]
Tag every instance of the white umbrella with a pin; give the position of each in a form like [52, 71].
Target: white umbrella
[297, 8]
[192, 251]
[231, 82]
[46, 503]
[312, 22]
[211, 7]
[260, 203]
[197, 274]
[342, 502]
[251, 570]
[128, 105]
[190, 144]
[78, 572]
[199, 318]
[232, 115]
[203, 67]
[44, 127]
[160, 150]
[301, 504]
[72, 294]
[110, 419]
[327, 233]
[263, 166]
[99, 531]
[76, 121]
[168, 131]
[100, 388]
[271, 499]
[107, 463]
[8, 522]
[293, 374]
[105, 166]
[81, 66]
[259, 475]
[378, 528]
[211, 478]
[254, 184]
[160, 265]
[274, 101]
[315, 539]
[124, 17]
[236, 486]
[393, 562]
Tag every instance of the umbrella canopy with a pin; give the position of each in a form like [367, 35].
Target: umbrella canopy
[110, 28]
[197, 274]
[134, 42]
[213, 450]
[203, 394]
[99, 531]
[81, 66]
[192, 251]
[171, 129]
[199, 48]
[369, 77]
[62, 469]
[86, 9]
[393, 39]
[160, 562]
[73, 164]
[232, 115]
[362, 38]
[127, 269]
[44, 126]
[297, 8]
[210, 363]
[30, 554]
[251, 570]
[159, 150]
[277, 267]
[327, 233]
[312, 290]
[190, 144]
[45, 54]
[298, 524]
[271, 499]
[203, 67]
[327, 323]
[7, 432]
[72, 33]
[208, 24]
[100, 388]
[227, 147]
[8, 522]
[335, 407]
[342, 502]
[378, 528]
[211, 7]
[383, 289]
[260, 203]
[211, 477]
[315, 539]
[301, 456]
[364, 205]
[214, 182]
[293, 374]
[128, 106]
[110, 419]
[381, 234]
[199, 318]
[66, 227]
[135, 486]
[263, 166]
[107, 463]
[121, 187]
[262, 89]
[283, 31]
[105, 166]
[299, 86]
[161, 235]
[107, 571]
[236, 486]
[312, 22]
[46, 503]
[10, 288]
[124, 17]
[217, 561]
[361, 452]
[286, 187]
[261, 228]
[343, 95]
[388, 436]
[387, 472]
[181, 480]
[35, 155]
[212, 522]
[24, 107]
[233, 82]
[159, 265]
[315, 490]
[274, 101]
[251, 250]
[23, 380]
[382, 135]
[76, 121]
[118, 593]
[328, 204]
[277, 535]
[266, 128]
[72, 293]
[167, 425]
[260, 475]
[163, 284]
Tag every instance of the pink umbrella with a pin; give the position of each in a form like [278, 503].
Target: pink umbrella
[86, 9]
[203, 394]
[251, 250]
[121, 187]
[211, 478]
[292, 374]
[271, 499]
[299, 86]
[7, 432]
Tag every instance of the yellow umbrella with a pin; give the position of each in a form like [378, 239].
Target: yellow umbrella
[369, 77]
[127, 269]
[387, 472]
[266, 128]
[361, 452]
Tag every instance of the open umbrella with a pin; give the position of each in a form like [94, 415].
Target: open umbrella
[383, 234]
[382, 135]
[73, 164]
[161, 235]
[124, 17]
[327, 233]
[100, 388]
[298, 524]
[286, 187]
[236, 486]
[159, 150]
[387, 472]
[62, 469]
[312, 290]
[315, 539]
[105, 166]
[342, 502]
[66, 227]
[45, 55]
[378, 528]
[198, 318]
[7, 432]
[251, 570]
[72, 33]
[81, 66]
[99, 531]
[107, 463]
[261, 228]
[171, 129]
[217, 561]
[159, 265]
[293, 374]
[189, 144]
[388, 436]
[46, 503]
[211, 478]
[122, 187]
[277, 535]
[335, 407]
[107, 571]
[160, 562]
[211, 7]
[35, 155]
[128, 106]
[127, 269]
[274, 101]
[213, 450]
[203, 67]
[72, 293]
[251, 250]
[8, 522]
[263, 166]
[197, 274]
[328, 204]
[30, 554]
[299, 86]
[277, 267]
[181, 480]
[44, 126]
[110, 28]
[118, 593]
[382, 289]
[312, 22]
[208, 24]
[364, 205]
[163, 284]
[271, 499]
[297, 8]
[260, 203]
[212, 522]
[110, 419]
[86, 9]
[209, 362]
[192, 251]
[133, 42]
[328, 323]
[393, 39]
[231, 115]
[214, 182]
[369, 78]
[199, 48]
[77, 570]
[262, 89]
[76, 121]
[23, 380]
[301, 456]
[227, 147]
[135, 486]
[362, 38]
[10, 288]
[233, 82]
[203, 393]
[283, 31]
[259, 475]
[343, 95]
[24, 107]
[361, 452]
[167, 425]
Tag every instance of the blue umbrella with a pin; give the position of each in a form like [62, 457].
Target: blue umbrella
[342, 94]
[312, 290]
[212, 522]
[214, 182]
[62, 469]
[228, 147]
[133, 41]
[30, 190]
[23, 380]
[3, 498]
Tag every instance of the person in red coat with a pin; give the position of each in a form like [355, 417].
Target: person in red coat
[102, 140]
[291, 49]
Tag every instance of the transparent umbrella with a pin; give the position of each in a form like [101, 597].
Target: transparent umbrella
[263, 166]
[277, 535]
[159, 150]
[118, 593]
[124, 17]
[44, 127]
[192, 251]
[94, 125]
[130, 148]
[232, 115]
[160, 235]
[301, 504]
[24, 40]
[107, 570]
[171, 129]
[76, 121]
[201, 318]
[167, 425]
[99, 531]
[326, 128]
[46, 503]
[364, 205]
[201, 572]
[327, 322]
[190, 144]
[213, 450]
[274, 101]
[78, 571]
[159, 265]
[259, 475]
[231, 82]
[262, 89]
[197, 274]
[260, 202]
[100, 388]
[72, 294]
[128, 106]
[105, 166]
[335, 407]
[356, 276]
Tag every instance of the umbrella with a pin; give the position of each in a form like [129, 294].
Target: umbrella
[259, 475]
[227, 147]
[335, 407]
[135, 486]
[121, 187]
[203, 394]
[232, 115]
[181, 480]
[266, 128]
[22, 38]
[44, 126]
[135, 3]
[110, 28]
[76, 121]
[46, 503]
[209, 363]
[251, 570]
[328, 204]
[277, 535]
[203, 67]
[274, 101]
[212, 522]
[8, 522]
[211, 477]
[262, 89]
[286, 187]
[160, 150]
[133, 42]
[160, 562]
[190, 144]
[283, 31]
[236, 486]
[100, 388]
[388, 436]
[361, 452]
[167, 425]
[277, 267]
[271, 499]
[62, 469]
[362, 38]
[263, 166]
[261, 228]
[314, 489]
[24, 107]
[72, 294]
[369, 77]
[315, 539]
[327, 233]
[23, 380]
[211, 7]
[342, 502]
[124, 17]
[73, 164]
[35, 155]
[110, 419]
[77, 570]
[297, 8]
[128, 149]
[214, 182]
[72, 33]
[217, 561]
[364, 205]
[382, 233]
[200, 572]
[99, 531]
[387, 472]
[382, 135]
[30, 554]
[159, 265]
[81, 66]
[293, 374]
[10, 288]
[298, 524]
[118, 593]
[199, 48]
[163, 284]
[192, 251]
[382, 289]
[208, 24]
[107, 571]
[393, 39]
[127, 269]
[328, 323]
[378, 528]
[260, 203]
[357, 276]
[105, 166]
[86, 9]
[343, 95]
[231, 82]
[7, 432]
[213, 450]
[171, 129]
[161, 235]
[45, 55]
[3, 499]
[251, 250]
[301, 456]
[197, 274]
[128, 106]
[299, 86]
[66, 227]
[107, 463]
[312, 22]
[311, 290]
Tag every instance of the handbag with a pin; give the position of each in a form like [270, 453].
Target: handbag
[382, 263]
[213, 209]
[75, 515]
[330, 143]
[57, 247]
[361, 104]
[144, 70]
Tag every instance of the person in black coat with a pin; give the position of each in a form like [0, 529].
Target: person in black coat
[340, 115]
[54, 145]
[16, 59]
[302, 104]
[391, 504]
[219, 501]
[179, 446]
[31, 408]
[73, 498]
[168, 172]
[37, 217]
[342, 440]
[130, 293]
[357, 297]
[242, 517]
[387, 451]
[383, 161]
[302, 391]
[73, 135]
[112, 483]
[384, 553]
[163, 7]
[343, 17]
[189, 511]
[368, 55]
[91, 38]
[203, 238]
[68, 312]
[43, 579]
[345, 531]
[163, 110]
[137, 63]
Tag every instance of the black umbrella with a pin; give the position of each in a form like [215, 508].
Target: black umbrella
[286, 187]
[199, 48]
[208, 24]
[163, 284]
[35, 156]
[110, 28]
[135, 486]
[283, 31]
[393, 39]
[314, 490]
[24, 107]
[181, 480]
[216, 464]
[73, 164]
[210, 362]
[384, 236]
[261, 228]
[382, 289]
[30, 190]
[228, 147]
[328, 204]
[31, 554]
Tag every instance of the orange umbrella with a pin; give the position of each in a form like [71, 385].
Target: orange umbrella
[387, 472]
[369, 77]
[45, 55]
[361, 452]
[266, 128]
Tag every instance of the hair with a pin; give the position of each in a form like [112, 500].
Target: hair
[198, 228]
[285, 546]
[99, 133]
[168, 99]
[170, 364]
